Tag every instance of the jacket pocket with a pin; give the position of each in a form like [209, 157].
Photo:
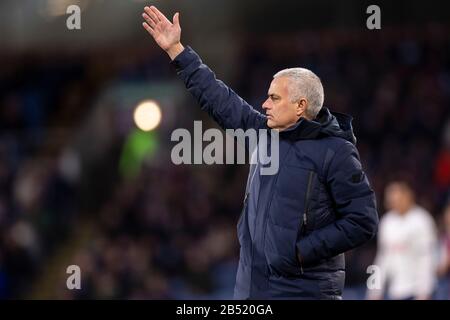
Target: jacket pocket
[279, 250]
[289, 219]
[306, 211]
[291, 194]
[303, 229]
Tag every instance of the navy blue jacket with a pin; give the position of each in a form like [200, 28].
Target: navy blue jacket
[295, 225]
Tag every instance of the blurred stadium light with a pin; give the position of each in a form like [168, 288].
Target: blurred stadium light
[147, 115]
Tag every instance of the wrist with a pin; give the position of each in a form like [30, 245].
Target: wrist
[175, 50]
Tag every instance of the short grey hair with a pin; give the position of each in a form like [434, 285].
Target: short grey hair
[304, 83]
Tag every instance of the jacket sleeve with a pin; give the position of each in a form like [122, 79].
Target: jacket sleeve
[382, 262]
[424, 245]
[228, 109]
[355, 207]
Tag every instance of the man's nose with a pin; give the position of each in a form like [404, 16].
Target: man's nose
[265, 105]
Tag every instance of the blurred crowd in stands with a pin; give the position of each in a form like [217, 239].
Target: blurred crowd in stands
[170, 231]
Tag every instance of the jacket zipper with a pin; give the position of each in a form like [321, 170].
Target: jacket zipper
[243, 207]
[308, 193]
[305, 212]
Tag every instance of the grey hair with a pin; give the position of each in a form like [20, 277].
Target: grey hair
[304, 83]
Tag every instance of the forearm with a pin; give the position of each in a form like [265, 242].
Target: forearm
[222, 104]
[343, 235]
[425, 247]
[175, 50]
[376, 287]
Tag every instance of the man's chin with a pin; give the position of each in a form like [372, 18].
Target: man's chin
[272, 125]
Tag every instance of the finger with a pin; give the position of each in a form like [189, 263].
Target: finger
[148, 28]
[148, 10]
[154, 17]
[161, 16]
[176, 19]
[152, 14]
[149, 20]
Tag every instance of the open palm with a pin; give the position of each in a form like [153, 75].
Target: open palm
[165, 33]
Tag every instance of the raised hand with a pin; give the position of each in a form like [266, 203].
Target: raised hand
[165, 33]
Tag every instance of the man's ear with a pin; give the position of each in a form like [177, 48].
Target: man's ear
[302, 104]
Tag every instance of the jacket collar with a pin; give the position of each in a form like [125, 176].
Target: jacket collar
[326, 124]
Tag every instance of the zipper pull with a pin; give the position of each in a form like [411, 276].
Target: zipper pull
[300, 262]
[305, 222]
[303, 230]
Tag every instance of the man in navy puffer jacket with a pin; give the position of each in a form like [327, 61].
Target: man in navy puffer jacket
[296, 224]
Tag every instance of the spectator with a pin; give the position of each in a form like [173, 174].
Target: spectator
[444, 258]
[406, 247]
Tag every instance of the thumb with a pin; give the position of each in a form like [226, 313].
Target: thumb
[176, 19]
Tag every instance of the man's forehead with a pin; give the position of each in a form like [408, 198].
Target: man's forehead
[278, 85]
